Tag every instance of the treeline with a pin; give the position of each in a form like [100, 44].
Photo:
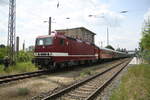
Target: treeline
[118, 49]
[145, 41]
[3, 52]
[22, 56]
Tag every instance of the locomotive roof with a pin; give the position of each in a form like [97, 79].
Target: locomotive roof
[44, 36]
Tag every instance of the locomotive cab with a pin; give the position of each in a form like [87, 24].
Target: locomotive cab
[41, 53]
[48, 49]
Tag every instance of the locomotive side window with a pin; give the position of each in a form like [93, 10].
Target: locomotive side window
[62, 41]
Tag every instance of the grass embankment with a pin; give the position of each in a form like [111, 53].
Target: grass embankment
[18, 68]
[135, 85]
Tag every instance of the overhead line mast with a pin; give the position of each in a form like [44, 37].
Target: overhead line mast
[12, 29]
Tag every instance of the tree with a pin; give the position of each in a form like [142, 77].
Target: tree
[145, 41]
[109, 47]
[24, 56]
[118, 49]
[2, 46]
[3, 52]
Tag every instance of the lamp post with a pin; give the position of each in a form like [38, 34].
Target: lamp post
[49, 31]
[107, 29]
[50, 24]
[107, 23]
[67, 18]
[107, 36]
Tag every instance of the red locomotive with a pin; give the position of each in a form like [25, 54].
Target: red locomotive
[57, 50]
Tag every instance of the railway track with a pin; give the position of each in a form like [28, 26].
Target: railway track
[88, 88]
[10, 78]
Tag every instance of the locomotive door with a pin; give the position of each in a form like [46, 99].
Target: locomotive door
[63, 46]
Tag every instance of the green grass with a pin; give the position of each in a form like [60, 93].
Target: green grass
[135, 85]
[18, 68]
[23, 91]
[86, 73]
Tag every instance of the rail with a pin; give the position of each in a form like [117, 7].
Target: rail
[78, 84]
[10, 78]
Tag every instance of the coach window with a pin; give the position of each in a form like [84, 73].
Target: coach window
[39, 42]
[62, 41]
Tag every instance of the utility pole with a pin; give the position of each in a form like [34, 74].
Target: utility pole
[107, 36]
[11, 30]
[17, 45]
[49, 29]
[23, 45]
[101, 43]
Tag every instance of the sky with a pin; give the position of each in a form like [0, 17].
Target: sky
[124, 28]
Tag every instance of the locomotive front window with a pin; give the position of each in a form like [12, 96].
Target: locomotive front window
[48, 41]
[44, 41]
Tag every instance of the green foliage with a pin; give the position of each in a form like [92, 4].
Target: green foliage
[2, 72]
[20, 67]
[21, 57]
[146, 55]
[145, 41]
[3, 52]
[2, 46]
[134, 85]
[86, 73]
[24, 56]
[110, 47]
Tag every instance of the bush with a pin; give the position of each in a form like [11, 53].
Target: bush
[22, 67]
[3, 52]
[146, 55]
[24, 56]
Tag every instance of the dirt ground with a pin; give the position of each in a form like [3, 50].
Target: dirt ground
[28, 88]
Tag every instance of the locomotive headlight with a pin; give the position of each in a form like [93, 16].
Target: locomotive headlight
[35, 54]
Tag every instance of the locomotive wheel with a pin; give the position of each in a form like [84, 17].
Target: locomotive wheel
[39, 68]
[53, 66]
[56, 66]
[67, 66]
[88, 62]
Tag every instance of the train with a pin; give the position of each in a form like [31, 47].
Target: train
[57, 50]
